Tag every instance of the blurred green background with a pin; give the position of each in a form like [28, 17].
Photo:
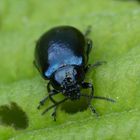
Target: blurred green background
[116, 38]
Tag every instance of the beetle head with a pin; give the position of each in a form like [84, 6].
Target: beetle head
[67, 80]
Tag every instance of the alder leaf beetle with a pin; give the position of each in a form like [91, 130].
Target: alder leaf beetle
[61, 57]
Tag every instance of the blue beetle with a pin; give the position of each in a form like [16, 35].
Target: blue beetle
[61, 56]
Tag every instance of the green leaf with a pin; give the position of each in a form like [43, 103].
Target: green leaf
[116, 38]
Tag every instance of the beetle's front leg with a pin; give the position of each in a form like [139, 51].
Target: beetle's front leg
[55, 108]
[42, 102]
[86, 85]
[51, 93]
[58, 103]
[52, 100]
[48, 87]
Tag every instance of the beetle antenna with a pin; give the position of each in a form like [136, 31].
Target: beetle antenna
[99, 97]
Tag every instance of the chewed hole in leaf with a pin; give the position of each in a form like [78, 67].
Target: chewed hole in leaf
[13, 115]
[72, 107]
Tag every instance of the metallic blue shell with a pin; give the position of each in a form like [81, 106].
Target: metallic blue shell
[60, 46]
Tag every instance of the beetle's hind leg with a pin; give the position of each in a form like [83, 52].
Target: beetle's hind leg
[89, 45]
[34, 63]
[91, 66]
[86, 85]
[88, 41]
[88, 30]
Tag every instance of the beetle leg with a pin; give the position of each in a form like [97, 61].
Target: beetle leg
[89, 85]
[41, 103]
[89, 46]
[55, 108]
[54, 113]
[88, 30]
[93, 110]
[35, 65]
[98, 63]
[89, 43]
[48, 87]
[51, 93]
[60, 102]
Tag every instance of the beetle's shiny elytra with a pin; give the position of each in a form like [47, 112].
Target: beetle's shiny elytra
[61, 56]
